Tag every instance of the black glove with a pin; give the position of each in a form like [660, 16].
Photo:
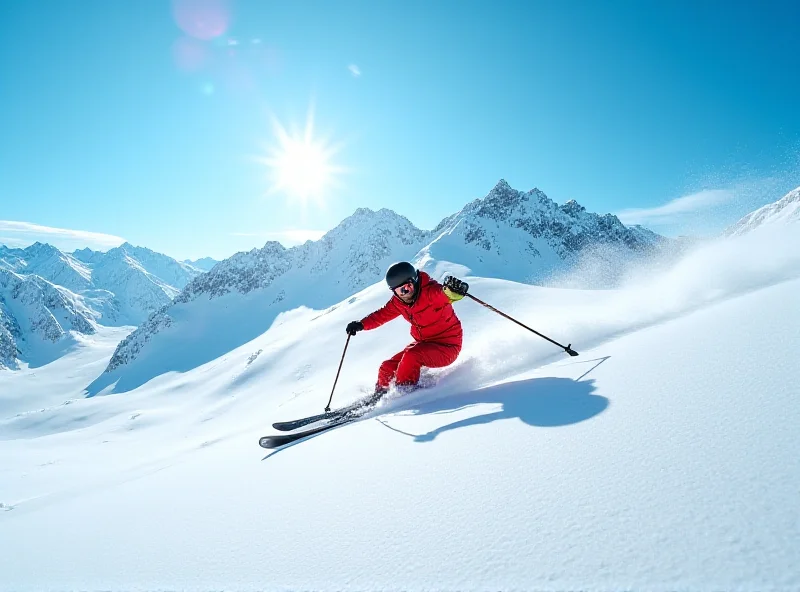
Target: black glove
[456, 286]
[354, 327]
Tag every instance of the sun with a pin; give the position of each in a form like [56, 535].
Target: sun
[300, 165]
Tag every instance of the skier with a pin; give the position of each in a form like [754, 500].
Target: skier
[435, 328]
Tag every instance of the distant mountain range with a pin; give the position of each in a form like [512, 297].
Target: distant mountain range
[206, 263]
[185, 311]
[45, 293]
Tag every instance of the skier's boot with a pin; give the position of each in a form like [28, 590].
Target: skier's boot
[376, 395]
[405, 388]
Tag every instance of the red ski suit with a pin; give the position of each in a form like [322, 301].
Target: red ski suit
[434, 326]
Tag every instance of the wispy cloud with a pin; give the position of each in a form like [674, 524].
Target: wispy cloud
[11, 241]
[677, 208]
[286, 237]
[354, 70]
[26, 233]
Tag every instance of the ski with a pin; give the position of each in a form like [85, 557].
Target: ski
[279, 440]
[288, 426]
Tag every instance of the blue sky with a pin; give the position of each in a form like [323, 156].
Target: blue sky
[159, 122]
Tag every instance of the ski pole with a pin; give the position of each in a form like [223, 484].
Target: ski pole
[567, 348]
[346, 343]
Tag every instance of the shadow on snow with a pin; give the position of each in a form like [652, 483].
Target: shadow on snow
[538, 402]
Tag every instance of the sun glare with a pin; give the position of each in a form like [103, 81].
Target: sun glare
[300, 165]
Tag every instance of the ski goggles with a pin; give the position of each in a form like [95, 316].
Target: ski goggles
[404, 289]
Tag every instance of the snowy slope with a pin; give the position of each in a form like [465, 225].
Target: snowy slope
[507, 234]
[240, 298]
[663, 458]
[786, 209]
[34, 388]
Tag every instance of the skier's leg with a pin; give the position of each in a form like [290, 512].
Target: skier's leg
[387, 370]
[428, 354]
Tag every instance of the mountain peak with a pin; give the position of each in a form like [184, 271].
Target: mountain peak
[503, 192]
[371, 214]
[38, 248]
[84, 251]
[273, 248]
[502, 185]
[369, 221]
[572, 208]
[126, 246]
[499, 202]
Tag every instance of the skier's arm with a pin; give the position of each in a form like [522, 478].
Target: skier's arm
[440, 295]
[383, 315]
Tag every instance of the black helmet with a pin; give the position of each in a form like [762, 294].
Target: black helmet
[399, 273]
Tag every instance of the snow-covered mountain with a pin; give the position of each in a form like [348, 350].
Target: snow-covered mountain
[11, 259]
[35, 313]
[786, 209]
[250, 289]
[527, 237]
[507, 234]
[120, 287]
[663, 457]
[138, 280]
[49, 263]
[205, 264]
[167, 270]
[162, 268]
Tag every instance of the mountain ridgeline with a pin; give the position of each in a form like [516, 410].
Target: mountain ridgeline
[515, 235]
[47, 295]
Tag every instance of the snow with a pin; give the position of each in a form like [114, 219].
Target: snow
[38, 319]
[46, 294]
[64, 379]
[785, 210]
[664, 457]
[51, 264]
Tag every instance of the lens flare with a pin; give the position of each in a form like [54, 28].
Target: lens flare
[190, 55]
[202, 19]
